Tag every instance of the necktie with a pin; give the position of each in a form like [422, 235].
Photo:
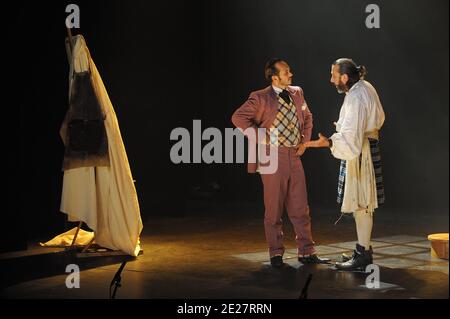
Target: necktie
[285, 96]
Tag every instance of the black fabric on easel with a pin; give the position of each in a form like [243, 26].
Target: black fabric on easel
[86, 133]
[86, 140]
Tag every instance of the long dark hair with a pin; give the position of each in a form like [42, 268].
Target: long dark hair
[349, 67]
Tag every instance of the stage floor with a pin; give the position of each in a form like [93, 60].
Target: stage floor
[222, 254]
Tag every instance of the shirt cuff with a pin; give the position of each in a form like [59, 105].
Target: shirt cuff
[333, 146]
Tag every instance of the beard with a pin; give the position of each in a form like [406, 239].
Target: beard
[341, 87]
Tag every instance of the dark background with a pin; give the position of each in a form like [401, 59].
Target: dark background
[167, 63]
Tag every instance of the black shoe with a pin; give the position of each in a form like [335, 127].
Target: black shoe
[361, 258]
[313, 259]
[276, 261]
[346, 257]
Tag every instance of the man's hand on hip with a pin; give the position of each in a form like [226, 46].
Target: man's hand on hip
[301, 148]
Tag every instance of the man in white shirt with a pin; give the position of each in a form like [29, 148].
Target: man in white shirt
[355, 143]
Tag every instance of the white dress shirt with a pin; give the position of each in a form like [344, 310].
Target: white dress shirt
[277, 89]
[361, 113]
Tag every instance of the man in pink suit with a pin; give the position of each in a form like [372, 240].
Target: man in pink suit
[282, 108]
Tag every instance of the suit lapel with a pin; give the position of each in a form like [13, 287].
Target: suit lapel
[273, 101]
[298, 101]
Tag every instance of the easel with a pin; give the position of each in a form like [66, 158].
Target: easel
[72, 246]
[85, 251]
[99, 252]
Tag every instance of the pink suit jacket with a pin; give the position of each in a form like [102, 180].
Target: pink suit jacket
[261, 108]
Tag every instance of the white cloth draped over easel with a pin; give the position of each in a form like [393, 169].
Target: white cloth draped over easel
[104, 197]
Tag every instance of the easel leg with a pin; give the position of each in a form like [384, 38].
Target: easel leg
[76, 234]
[88, 245]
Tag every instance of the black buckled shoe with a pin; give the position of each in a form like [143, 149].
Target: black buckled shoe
[345, 257]
[361, 258]
[313, 259]
[276, 261]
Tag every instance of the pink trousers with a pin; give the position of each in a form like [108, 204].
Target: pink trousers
[287, 189]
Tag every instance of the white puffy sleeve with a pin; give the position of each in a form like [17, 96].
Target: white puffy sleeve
[347, 142]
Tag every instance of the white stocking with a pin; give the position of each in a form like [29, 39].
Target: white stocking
[364, 224]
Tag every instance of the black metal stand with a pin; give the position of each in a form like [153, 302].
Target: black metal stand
[116, 281]
[304, 294]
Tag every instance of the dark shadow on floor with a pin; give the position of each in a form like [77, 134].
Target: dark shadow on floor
[26, 268]
[329, 283]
